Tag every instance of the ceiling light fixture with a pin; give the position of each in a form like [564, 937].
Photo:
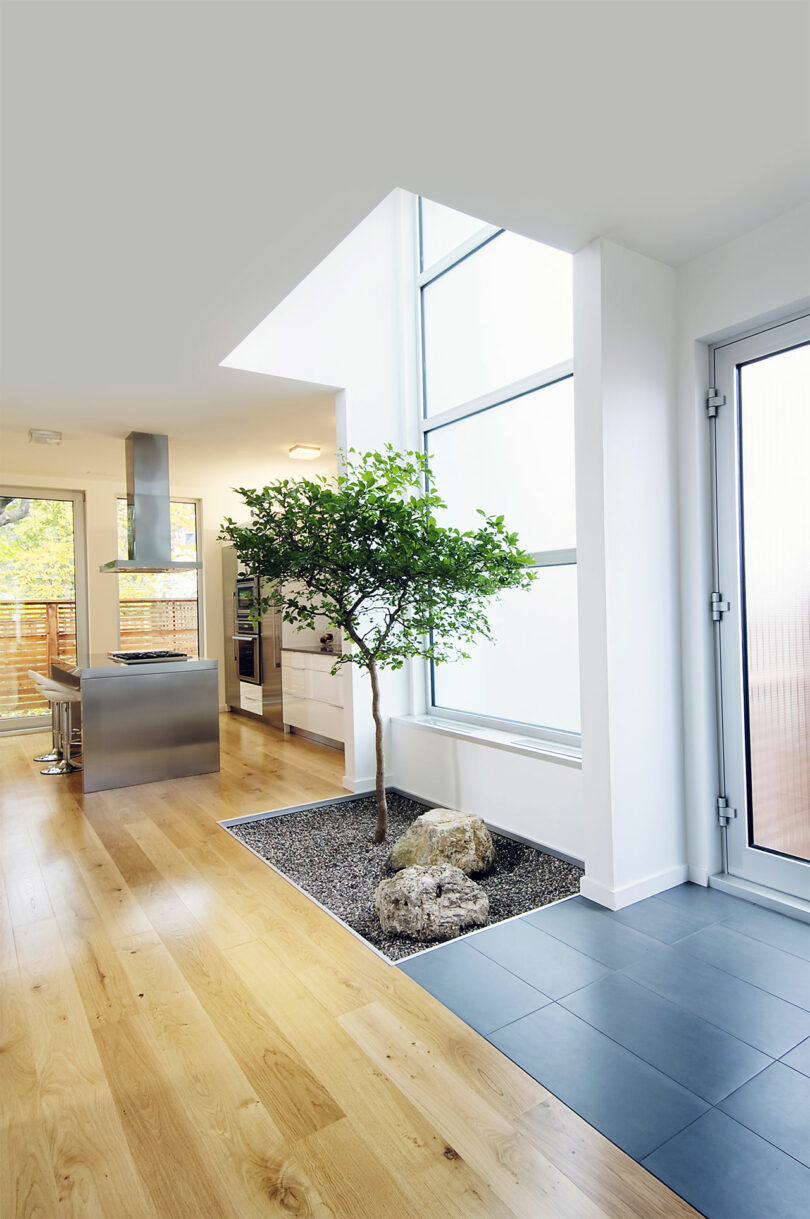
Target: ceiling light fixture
[305, 452]
[40, 436]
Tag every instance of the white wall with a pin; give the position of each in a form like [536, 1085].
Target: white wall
[348, 325]
[627, 563]
[756, 279]
[536, 799]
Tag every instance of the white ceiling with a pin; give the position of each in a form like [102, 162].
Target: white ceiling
[172, 170]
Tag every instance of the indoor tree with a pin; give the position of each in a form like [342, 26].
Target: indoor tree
[365, 550]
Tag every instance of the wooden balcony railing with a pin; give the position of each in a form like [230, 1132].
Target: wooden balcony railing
[35, 633]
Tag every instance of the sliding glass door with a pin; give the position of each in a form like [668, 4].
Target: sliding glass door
[42, 607]
[763, 553]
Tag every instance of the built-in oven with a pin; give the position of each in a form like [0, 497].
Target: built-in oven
[247, 601]
[247, 651]
[247, 640]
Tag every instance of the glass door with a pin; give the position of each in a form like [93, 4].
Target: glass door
[42, 608]
[763, 569]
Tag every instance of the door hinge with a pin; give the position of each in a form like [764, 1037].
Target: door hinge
[724, 813]
[719, 607]
[714, 401]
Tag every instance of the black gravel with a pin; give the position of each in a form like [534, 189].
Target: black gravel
[328, 852]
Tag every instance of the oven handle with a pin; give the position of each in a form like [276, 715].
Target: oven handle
[243, 636]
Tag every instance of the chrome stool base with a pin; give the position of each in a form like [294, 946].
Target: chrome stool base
[54, 756]
[62, 768]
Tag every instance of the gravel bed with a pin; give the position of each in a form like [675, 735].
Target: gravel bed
[328, 853]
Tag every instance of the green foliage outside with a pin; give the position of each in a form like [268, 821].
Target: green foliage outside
[365, 550]
[36, 554]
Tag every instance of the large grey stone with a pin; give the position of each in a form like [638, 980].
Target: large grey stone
[430, 903]
[444, 836]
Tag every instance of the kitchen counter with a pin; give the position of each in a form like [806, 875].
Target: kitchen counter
[146, 722]
[101, 665]
[312, 648]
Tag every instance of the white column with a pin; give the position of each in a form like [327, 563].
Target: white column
[627, 544]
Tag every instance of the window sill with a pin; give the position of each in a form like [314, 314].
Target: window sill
[511, 742]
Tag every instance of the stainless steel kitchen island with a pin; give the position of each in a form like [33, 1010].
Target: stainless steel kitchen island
[147, 722]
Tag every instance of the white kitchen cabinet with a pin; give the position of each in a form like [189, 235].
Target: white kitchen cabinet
[250, 697]
[312, 697]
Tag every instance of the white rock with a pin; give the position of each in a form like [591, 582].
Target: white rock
[443, 835]
[430, 903]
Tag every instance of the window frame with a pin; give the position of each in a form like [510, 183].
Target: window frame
[198, 506]
[427, 424]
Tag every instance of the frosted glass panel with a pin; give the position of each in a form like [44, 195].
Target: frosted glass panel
[443, 229]
[516, 459]
[530, 673]
[501, 315]
[775, 430]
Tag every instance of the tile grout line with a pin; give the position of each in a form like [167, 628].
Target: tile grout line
[756, 985]
[804, 1011]
[618, 1044]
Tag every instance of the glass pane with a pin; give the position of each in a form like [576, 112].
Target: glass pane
[531, 672]
[443, 229]
[775, 429]
[516, 459]
[159, 610]
[501, 315]
[37, 598]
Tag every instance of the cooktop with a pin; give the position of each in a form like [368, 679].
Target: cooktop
[145, 658]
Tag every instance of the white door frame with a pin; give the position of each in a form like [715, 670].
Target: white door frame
[28, 722]
[754, 864]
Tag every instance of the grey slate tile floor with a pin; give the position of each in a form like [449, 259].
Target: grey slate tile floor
[678, 1027]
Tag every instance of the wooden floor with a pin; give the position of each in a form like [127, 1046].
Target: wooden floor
[182, 1033]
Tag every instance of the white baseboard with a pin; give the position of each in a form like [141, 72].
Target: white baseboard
[628, 895]
[699, 876]
[359, 785]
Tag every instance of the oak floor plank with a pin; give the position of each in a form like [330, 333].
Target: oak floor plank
[116, 904]
[245, 1148]
[617, 1186]
[224, 925]
[157, 1128]
[417, 1155]
[27, 897]
[19, 1086]
[90, 1160]
[182, 1032]
[508, 1089]
[530, 1185]
[353, 1179]
[289, 1091]
[27, 1187]
[102, 982]
[8, 950]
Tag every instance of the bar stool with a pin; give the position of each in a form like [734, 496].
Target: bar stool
[61, 699]
[55, 754]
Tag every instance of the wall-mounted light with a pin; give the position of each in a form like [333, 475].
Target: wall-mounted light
[40, 436]
[305, 452]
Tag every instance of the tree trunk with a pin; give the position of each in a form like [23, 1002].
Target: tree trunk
[382, 804]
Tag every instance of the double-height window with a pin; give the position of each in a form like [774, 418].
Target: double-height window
[498, 427]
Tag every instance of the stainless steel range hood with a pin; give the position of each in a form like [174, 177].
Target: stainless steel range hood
[149, 534]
